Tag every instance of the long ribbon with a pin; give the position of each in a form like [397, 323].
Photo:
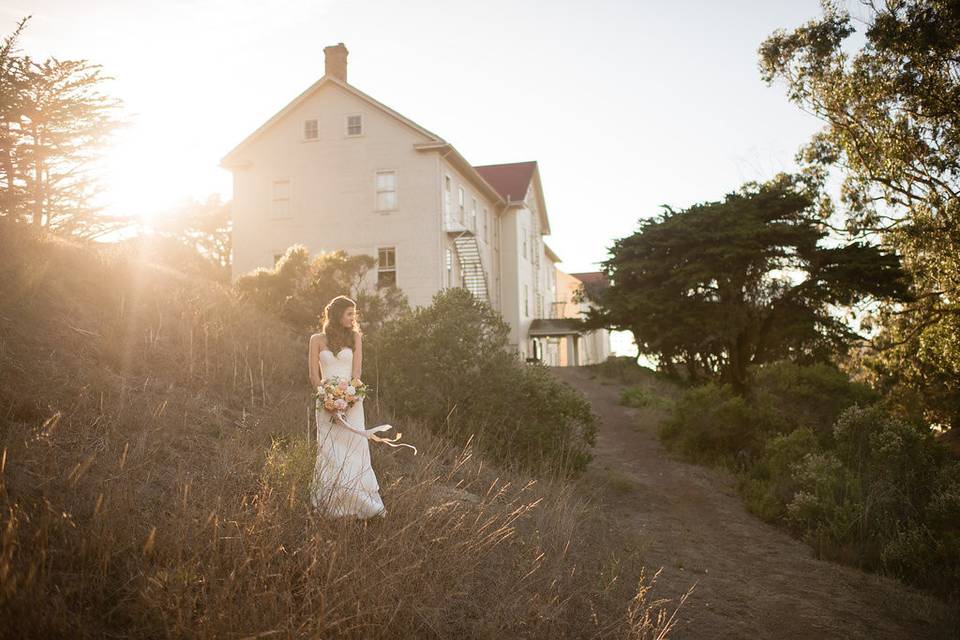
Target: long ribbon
[370, 433]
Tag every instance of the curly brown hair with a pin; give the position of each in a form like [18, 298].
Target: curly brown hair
[338, 336]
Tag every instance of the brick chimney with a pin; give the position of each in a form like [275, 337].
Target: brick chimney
[335, 57]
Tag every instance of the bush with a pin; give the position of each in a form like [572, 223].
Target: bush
[809, 396]
[298, 287]
[448, 364]
[770, 486]
[712, 424]
[639, 396]
[820, 454]
[885, 497]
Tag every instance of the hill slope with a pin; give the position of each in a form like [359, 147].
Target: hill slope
[753, 580]
[153, 482]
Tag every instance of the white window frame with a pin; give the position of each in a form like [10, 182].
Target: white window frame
[346, 125]
[461, 206]
[388, 268]
[473, 215]
[274, 199]
[316, 124]
[526, 301]
[447, 195]
[449, 267]
[377, 190]
[486, 225]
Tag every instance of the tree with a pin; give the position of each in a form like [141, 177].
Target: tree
[724, 285]
[298, 287]
[891, 127]
[55, 122]
[205, 228]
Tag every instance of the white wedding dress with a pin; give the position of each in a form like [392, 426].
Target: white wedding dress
[344, 483]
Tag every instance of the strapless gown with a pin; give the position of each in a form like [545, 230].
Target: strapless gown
[344, 484]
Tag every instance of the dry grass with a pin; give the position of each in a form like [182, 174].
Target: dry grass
[154, 469]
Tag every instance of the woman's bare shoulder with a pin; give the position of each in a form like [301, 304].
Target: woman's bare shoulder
[318, 338]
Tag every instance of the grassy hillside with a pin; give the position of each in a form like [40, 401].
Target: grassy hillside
[154, 469]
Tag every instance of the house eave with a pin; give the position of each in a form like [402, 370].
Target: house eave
[230, 160]
[450, 153]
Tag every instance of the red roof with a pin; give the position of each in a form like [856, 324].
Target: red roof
[593, 281]
[510, 180]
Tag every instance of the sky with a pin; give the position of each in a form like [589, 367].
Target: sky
[625, 105]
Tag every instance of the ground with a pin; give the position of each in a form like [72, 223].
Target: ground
[752, 579]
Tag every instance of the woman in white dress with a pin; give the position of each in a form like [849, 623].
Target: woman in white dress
[344, 483]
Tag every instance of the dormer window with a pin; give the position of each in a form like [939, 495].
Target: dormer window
[310, 129]
[355, 125]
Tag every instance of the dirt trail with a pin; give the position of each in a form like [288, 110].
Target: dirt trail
[753, 580]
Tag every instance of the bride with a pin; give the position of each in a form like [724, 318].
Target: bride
[344, 483]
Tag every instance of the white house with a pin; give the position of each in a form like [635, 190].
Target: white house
[336, 169]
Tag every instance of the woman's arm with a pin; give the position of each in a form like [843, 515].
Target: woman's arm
[357, 355]
[313, 359]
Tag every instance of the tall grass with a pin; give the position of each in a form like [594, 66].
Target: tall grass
[154, 470]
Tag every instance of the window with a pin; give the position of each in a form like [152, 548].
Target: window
[486, 224]
[281, 199]
[526, 301]
[539, 305]
[310, 130]
[473, 216]
[523, 249]
[386, 185]
[387, 267]
[449, 268]
[446, 195]
[355, 125]
[460, 202]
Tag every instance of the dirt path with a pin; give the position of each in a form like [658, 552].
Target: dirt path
[753, 580]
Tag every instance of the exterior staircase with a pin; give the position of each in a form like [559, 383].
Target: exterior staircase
[471, 266]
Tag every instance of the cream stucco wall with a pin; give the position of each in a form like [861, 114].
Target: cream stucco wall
[333, 196]
[333, 207]
[489, 241]
[594, 346]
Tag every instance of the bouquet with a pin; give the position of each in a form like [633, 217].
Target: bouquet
[337, 394]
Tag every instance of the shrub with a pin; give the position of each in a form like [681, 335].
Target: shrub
[639, 396]
[448, 364]
[885, 497]
[712, 424]
[298, 287]
[770, 485]
[809, 396]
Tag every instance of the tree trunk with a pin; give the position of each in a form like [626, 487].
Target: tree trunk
[37, 180]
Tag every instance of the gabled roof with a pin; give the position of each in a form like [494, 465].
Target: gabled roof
[551, 254]
[511, 180]
[594, 282]
[231, 157]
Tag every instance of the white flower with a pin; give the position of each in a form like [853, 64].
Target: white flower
[351, 390]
